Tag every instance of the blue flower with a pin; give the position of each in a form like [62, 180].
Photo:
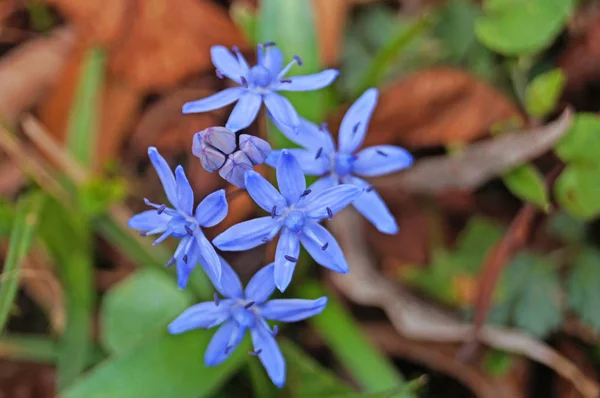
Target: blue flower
[320, 158]
[296, 212]
[244, 310]
[257, 84]
[181, 223]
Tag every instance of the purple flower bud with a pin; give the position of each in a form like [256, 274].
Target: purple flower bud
[220, 138]
[211, 159]
[235, 167]
[256, 148]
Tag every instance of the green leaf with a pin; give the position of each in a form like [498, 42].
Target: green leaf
[98, 194]
[456, 28]
[245, 18]
[138, 308]
[527, 183]
[37, 349]
[497, 363]
[23, 230]
[577, 190]
[567, 228]
[370, 368]
[582, 287]
[581, 143]
[513, 27]
[543, 93]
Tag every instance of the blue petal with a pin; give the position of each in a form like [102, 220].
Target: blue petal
[273, 60]
[288, 245]
[213, 209]
[149, 220]
[281, 110]
[308, 135]
[323, 183]
[262, 284]
[185, 194]
[334, 199]
[203, 315]
[208, 258]
[374, 209]
[290, 178]
[223, 343]
[305, 158]
[381, 159]
[230, 283]
[270, 354]
[262, 192]
[248, 234]
[310, 82]
[355, 122]
[227, 64]
[314, 237]
[185, 249]
[292, 310]
[164, 173]
[215, 101]
[244, 112]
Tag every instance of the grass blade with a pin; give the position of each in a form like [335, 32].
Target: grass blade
[37, 349]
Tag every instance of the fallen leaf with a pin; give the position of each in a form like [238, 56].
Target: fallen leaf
[330, 21]
[478, 162]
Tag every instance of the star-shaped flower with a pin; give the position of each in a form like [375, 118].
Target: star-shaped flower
[320, 158]
[181, 223]
[258, 84]
[296, 212]
[244, 310]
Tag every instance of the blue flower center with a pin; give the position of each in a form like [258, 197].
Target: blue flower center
[342, 164]
[260, 76]
[295, 220]
[244, 317]
[177, 225]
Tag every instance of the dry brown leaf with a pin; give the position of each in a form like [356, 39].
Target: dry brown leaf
[330, 21]
[478, 163]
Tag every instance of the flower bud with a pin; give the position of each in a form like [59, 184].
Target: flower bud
[235, 167]
[255, 148]
[212, 146]
[211, 159]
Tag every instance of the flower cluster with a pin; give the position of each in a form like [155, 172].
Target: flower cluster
[293, 211]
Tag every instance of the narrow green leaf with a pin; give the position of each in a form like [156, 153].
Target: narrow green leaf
[577, 190]
[23, 230]
[581, 143]
[527, 183]
[543, 93]
[363, 361]
[37, 349]
[83, 121]
[582, 287]
[245, 17]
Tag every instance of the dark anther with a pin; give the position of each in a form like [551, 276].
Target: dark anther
[219, 74]
[325, 246]
[250, 304]
[216, 298]
[369, 189]
[380, 152]
[329, 213]
[298, 60]
[189, 231]
[355, 128]
[161, 209]
[275, 331]
[291, 259]
[306, 192]
[142, 234]
[185, 258]
[265, 239]
[255, 353]
[285, 81]
[274, 211]
[319, 151]
[269, 44]
[227, 349]
[323, 126]
[244, 81]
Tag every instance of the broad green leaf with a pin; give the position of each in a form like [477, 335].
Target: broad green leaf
[22, 233]
[456, 28]
[543, 93]
[567, 228]
[577, 190]
[527, 183]
[513, 27]
[37, 349]
[582, 287]
[138, 308]
[581, 143]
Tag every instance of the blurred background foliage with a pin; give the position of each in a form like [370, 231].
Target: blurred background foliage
[491, 288]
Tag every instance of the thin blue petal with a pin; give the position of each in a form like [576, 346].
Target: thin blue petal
[314, 238]
[248, 234]
[306, 159]
[290, 177]
[186, 249]
[356, 121]
[310, 82]
[308, 135]
[270, 354]
[292, 310]
[185, 194]
[244, 112]
[288, 245]
[213, 209]
[281, 110]
[227, 64]
[230, 283]
[262, 192]
[208, 258]
[223, 343]
[334, 199]
[273, 60]
[323, 184]
[262, 284]
[164, 173]
[215, 101]
[374, 209]
[381, 159]
[203, 315]
[149, 220]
